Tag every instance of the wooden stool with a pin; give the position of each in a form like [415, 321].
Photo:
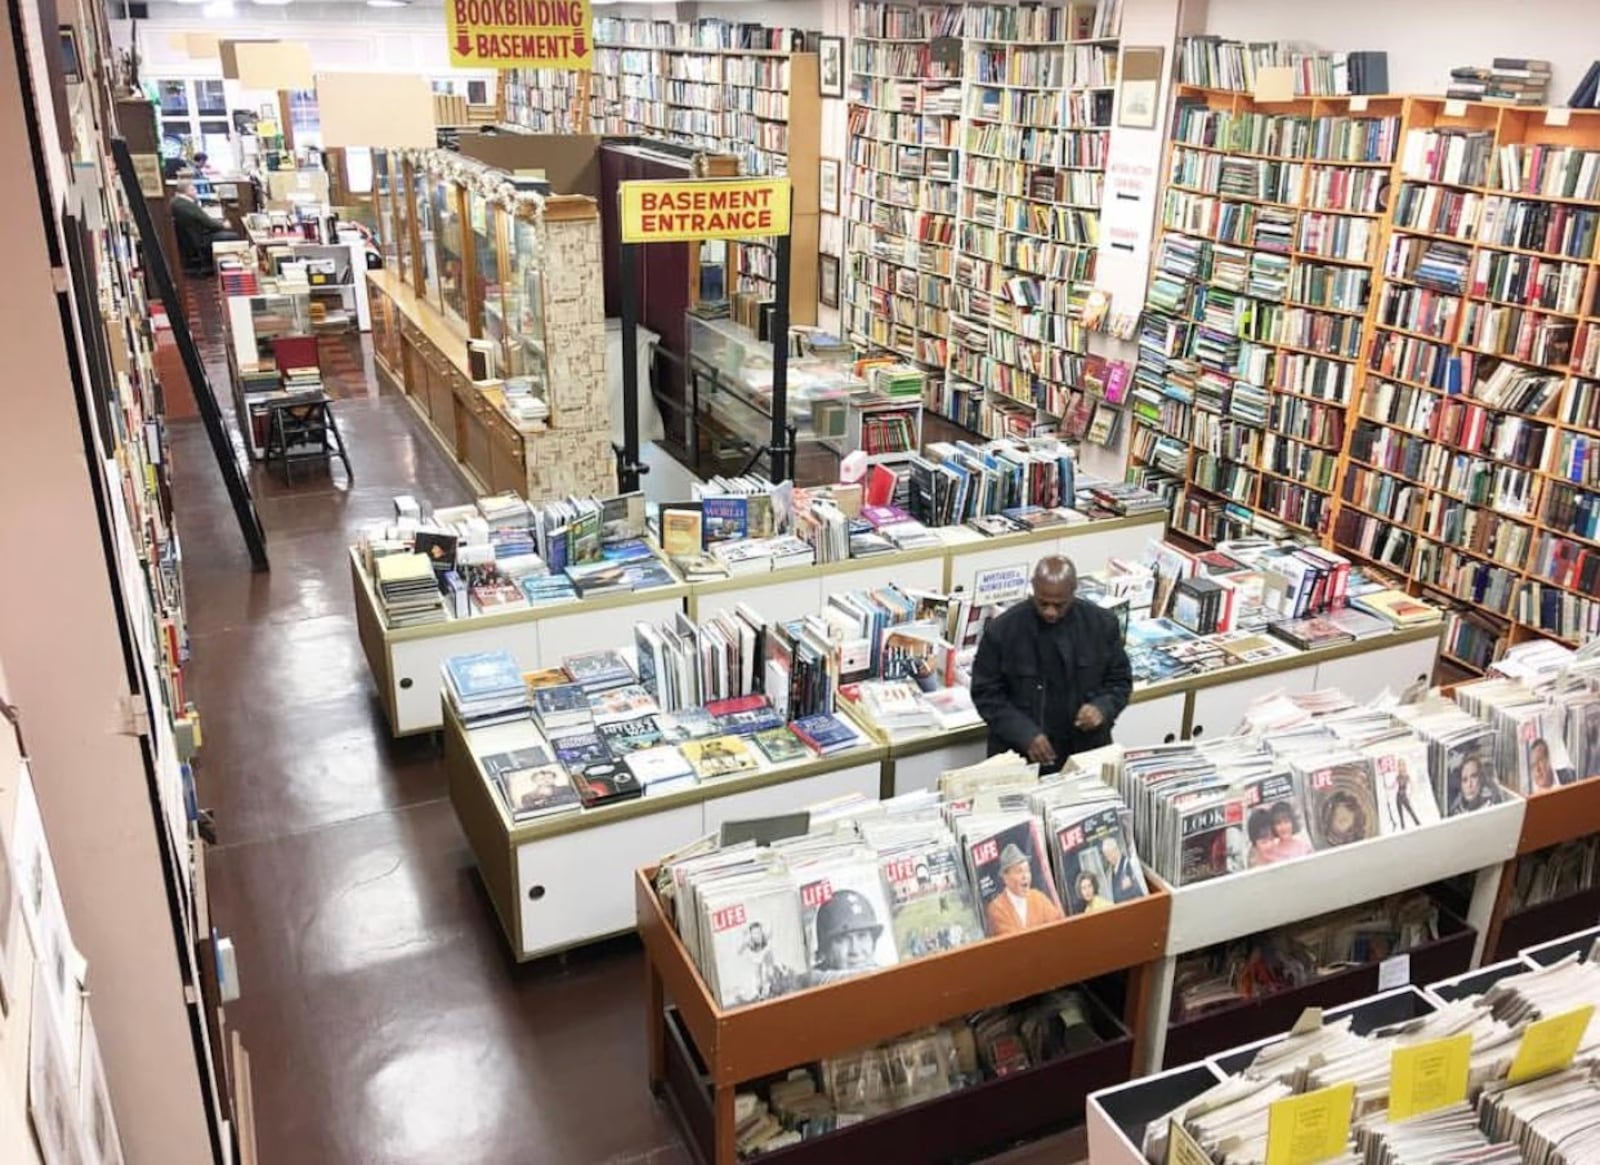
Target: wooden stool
[302, 428]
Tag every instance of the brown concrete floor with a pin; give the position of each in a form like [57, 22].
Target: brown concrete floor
[386, 1021]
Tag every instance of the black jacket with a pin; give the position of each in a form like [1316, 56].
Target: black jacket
[1008, 682]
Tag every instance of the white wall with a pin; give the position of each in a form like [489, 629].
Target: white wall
[1425, 39]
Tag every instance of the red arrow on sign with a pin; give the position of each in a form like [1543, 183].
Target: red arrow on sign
[463, 44]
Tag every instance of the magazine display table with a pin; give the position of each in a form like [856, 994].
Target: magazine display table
[1552, 818]
[564, 880]
[406, 662]
[701, 1053]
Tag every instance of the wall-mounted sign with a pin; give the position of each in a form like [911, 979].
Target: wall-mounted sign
[511, 34]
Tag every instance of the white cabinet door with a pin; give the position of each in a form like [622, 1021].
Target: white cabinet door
[579, 886]
[921, 771]
[415, 667]
[925, 574]
[792, 796]
[1150, 722]
[1218, 710]
[777, 598]
[1361, 677]
[561, 635]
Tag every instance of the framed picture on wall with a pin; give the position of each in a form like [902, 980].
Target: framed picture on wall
[1140, 87]
[71, 62]
[830, 66]
[828, 280]
[828, 185]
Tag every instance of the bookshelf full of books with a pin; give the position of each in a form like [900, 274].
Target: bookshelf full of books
[1471, 450]
[1038, 90]
[546, 100]
[1257, 307]
[904, 142]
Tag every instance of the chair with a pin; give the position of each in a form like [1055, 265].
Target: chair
[302, 428]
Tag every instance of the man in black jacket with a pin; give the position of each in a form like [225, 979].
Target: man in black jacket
[1051, 676]
[196, 230]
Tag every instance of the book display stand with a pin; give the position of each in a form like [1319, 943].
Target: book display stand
[700, 1053]
[1552, 818]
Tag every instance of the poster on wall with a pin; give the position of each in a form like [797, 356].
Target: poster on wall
[519, 34]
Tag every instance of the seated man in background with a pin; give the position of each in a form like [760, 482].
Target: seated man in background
[1051, 676]
[196, 231]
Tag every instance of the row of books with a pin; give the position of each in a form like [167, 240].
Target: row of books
[857, 886]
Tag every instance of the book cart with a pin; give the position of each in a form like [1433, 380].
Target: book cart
[1552, 818]
[405, 662]
[701, 1053]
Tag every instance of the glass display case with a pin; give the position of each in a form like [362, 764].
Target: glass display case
[486, 292]
[445, 197]
[426, 275]
[524, 304]
[384, 196]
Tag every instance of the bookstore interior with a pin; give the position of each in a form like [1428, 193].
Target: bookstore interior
[883, 581]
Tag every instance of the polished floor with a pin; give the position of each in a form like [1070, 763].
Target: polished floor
[386, 1022]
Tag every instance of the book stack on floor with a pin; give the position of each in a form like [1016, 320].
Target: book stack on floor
[860, 885]
[407, 591]
[1507, 81]
[486, 688]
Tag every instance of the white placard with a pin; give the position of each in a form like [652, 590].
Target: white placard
[1559, 116]
[1000, 585]
[1455, 107]
[1358, 103]
[1394, 972]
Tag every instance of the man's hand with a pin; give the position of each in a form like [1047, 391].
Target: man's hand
[1040, 751]
[1089, 718]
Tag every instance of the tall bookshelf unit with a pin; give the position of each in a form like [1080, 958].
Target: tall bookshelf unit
[904, 165]
[546, 100]
[1259, 302]
[1474, 448]
[1038, 91]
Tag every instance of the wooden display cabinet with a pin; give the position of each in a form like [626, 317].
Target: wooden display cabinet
[1549, 819]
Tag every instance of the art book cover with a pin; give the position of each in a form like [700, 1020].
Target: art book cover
[580, 749]
[780, 746]
[725, 519]
[846, 919]
[682, 529]
[1012, 878]
[1211, 840]
[625, 703]
[486, 673]
[1401, 770]
[744, 715]
[930, 900]
[719, 756]
[1275, 822]
[1098, 866]
[1342, 803]
[757, 941]
[599, 671]
[561, 705]
[606, 781]
[529, 784]
[625, 736]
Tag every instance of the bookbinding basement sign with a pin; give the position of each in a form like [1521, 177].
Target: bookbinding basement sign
[509, 34]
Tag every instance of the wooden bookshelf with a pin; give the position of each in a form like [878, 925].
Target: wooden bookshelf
[1037, 96]
[1258, 307]
[1467, 492]
[546, 100]
[900, 210]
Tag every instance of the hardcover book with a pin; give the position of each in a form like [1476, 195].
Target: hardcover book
[719, 756]
[579, 750]
[625, 736]
[529, 784]
[824, 734]
[603, 782]
[780, 746]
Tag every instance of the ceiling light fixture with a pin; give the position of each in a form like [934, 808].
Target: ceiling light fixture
[388, 3]
[219, 10]
[272, 3]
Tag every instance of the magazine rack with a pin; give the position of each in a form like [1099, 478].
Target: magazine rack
[700, 1053]
[1561, 815]
[1232, 907]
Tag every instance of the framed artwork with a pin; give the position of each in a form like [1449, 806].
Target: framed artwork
[830, 66]
[1140, 87]
[828, 280]
[828, 185]
[71, 62]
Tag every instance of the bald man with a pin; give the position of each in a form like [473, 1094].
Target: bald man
[1051, 676]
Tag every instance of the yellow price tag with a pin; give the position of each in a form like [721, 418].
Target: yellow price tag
[1303, 1130]
[1183, 1149]
[1424, 1077]
[1549, 1044]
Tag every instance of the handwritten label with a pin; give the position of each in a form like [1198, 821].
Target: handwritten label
[1000, 585]
[1548, 1045]
[1558, 117]
[1455, 108]
[1424, 1077]
[1358, 103]
[1182, 1149]
[1394, 972]
[1306, 1130]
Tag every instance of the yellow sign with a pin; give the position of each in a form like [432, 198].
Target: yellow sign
[1303, 1130]
[1549, 1045]
[1424, 1077]
[1183, 1149]
[716, 208]
[512, 34]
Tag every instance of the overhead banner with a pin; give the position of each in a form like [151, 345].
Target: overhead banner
[513, 34]
[716, 208]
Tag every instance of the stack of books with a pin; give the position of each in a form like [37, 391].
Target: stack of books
[407, 590]
[1508, 81]
[486, 688]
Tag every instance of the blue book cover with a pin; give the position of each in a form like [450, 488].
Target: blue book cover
[580, 749]
[726, 519]
[824, 733]
[486, 673]
[629, 550]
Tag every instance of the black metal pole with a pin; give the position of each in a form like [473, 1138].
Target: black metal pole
[782, 450]
[628, 454]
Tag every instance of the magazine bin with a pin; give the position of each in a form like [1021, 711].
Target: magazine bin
[1561, 815]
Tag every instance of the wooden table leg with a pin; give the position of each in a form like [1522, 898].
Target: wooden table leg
[656, 1024]
[724, 1148]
